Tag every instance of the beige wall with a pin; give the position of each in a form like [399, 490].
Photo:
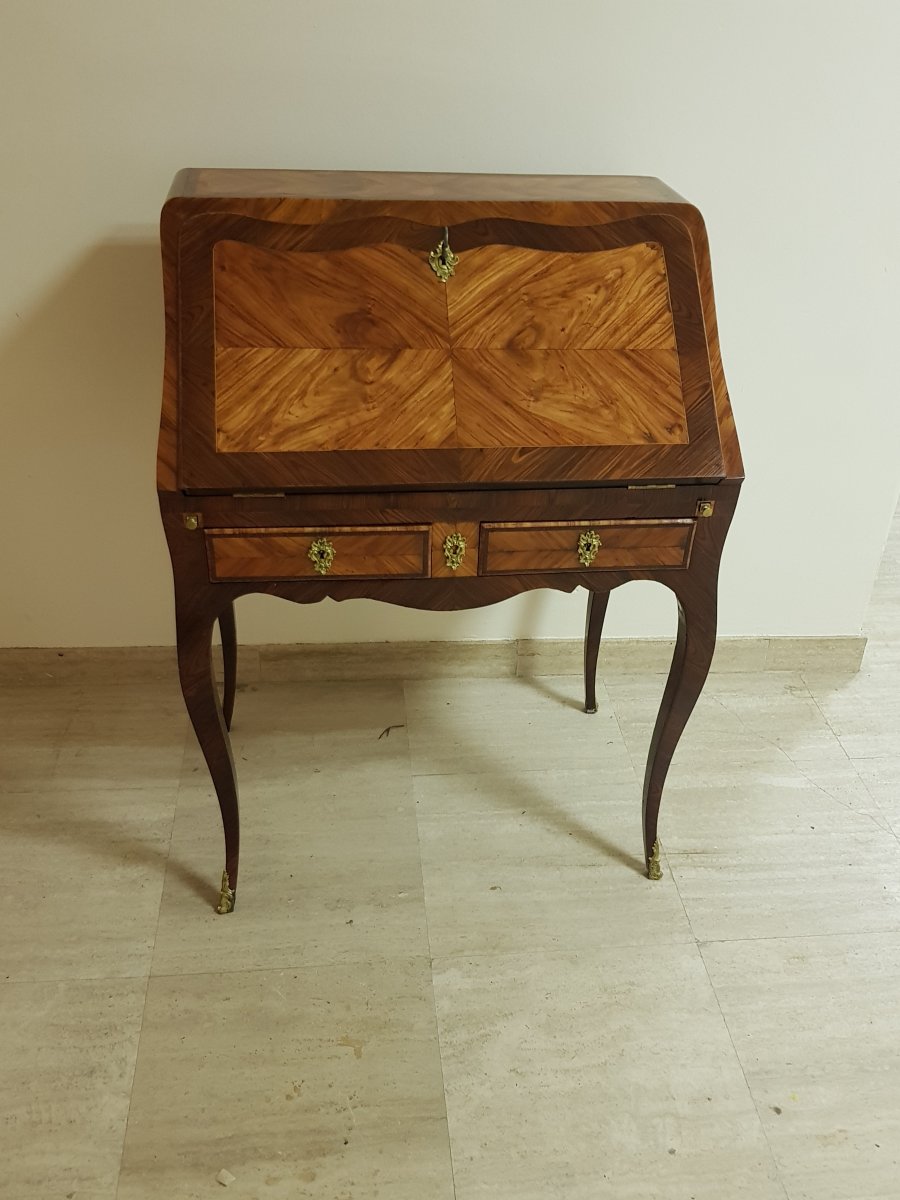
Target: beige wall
[777, 117]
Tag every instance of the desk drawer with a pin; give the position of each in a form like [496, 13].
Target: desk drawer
[508, 548]
[361, 552]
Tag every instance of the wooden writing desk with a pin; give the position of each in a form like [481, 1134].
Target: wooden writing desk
[439, 391]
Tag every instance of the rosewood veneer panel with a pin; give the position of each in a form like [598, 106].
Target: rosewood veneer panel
[515, 297]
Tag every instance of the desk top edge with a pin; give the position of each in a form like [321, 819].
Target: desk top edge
[216, 183]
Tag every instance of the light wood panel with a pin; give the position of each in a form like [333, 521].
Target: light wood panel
[380, 552]
[203, 465]
[515, 297]
[568, 398]
[382, 296]
[513, 547]
[276, 400]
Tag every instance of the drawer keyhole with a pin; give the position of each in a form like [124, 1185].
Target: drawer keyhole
[322, 554]
[454, 550]
[588, 545]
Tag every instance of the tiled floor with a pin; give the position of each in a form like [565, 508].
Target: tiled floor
[446, 975]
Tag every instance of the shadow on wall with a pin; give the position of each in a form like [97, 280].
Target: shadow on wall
[83, 369]
[81, 373]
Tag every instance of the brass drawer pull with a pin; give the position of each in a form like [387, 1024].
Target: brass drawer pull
[442, 260]
[588, 545]
[454, 550]
[322, 554]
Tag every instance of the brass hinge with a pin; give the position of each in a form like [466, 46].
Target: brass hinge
[649, 487]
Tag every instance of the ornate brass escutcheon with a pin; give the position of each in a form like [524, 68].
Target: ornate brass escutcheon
[322, 554]
[654, 870]
[191, 520]
[706, 508]
[226, 896]
[588, 545]
[454, 550]
[442, 260]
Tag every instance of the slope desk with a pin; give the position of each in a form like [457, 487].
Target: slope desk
[439, 391]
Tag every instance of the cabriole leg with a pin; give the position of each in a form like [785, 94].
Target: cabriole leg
[593, 630]
[228, 630]
[201, 697]
[694, 648]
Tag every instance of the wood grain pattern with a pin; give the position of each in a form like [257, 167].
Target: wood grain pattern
[330, 200]
[509, 548]
[371, 553]
[203, 464]
[421, 186]
[382, 297]
[568, 398]
[284, 401]
[514, 297]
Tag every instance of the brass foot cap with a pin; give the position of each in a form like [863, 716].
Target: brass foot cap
[226, 896]
[654, 870]
[590, 710]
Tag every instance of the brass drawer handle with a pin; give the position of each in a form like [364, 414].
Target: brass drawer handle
[322, 554]
[454, 550]
[442, 260]
[588, 545]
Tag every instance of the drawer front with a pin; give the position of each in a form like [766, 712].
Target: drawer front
[509, 548]
[361, 552]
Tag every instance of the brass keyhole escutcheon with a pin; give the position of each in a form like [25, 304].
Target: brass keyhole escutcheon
[322, 554]
[454, 550]
[442, 260]
[588, 545]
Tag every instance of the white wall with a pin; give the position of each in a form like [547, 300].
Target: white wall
[777, 117]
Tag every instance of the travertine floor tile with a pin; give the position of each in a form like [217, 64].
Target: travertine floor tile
[283, 732]
[316, 1083]
[759, 862]
[738, 728]
[863, 709]
[33, 721]
[599, 1074]
[816, 1026]
[330, 872]
[539, 860]
[67, 1051]
[82, 881]
[122, 738]
[881, 779]
[478, 725]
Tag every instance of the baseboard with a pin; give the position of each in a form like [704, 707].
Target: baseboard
[425, 660]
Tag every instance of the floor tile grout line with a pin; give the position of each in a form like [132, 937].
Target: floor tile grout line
[740, 1064]
[894, 833]
[162, 890]
[781, 750]
[137, 1052]
[644, 944]
[437, 1024]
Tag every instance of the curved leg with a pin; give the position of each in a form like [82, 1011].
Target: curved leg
[694, 649]
[228, 631]
[205, 710]
[593, 629]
